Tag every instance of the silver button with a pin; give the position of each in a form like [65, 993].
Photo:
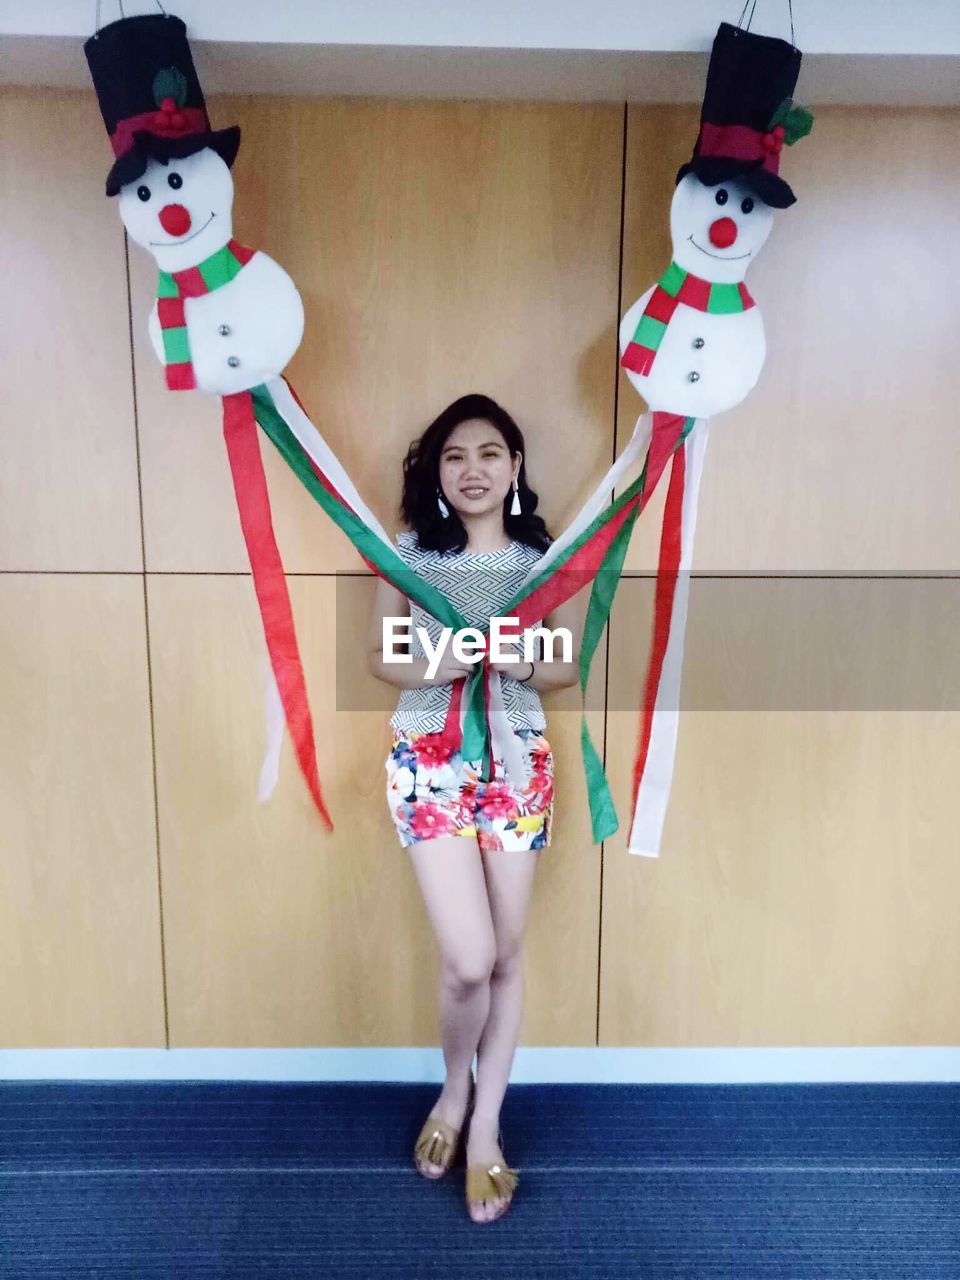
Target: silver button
[234, 362]
[224, 331]
[697, 342]
[693, 377]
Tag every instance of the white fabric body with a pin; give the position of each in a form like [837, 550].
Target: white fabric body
[654, 791]
[728, 362]
[261, 312]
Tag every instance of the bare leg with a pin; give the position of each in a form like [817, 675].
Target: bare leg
[509, 885]
[451, 878]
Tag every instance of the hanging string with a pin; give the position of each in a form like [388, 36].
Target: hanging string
[96, 21]
[743, 11]
[740, 26]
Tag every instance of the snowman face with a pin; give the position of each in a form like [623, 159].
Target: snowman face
[717, 231]
[180, 211]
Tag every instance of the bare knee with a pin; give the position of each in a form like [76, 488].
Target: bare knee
[509, 959]
[469, 969]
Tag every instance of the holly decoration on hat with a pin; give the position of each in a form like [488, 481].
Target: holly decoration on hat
[792, 121]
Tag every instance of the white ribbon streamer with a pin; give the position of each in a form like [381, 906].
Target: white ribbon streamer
[653, 794]
[634, 450]
[270, 769]
[320, 453]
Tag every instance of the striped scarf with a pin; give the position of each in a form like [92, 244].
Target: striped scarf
[172, 292]
[673, 287]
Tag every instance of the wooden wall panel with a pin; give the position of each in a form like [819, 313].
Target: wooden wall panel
[278, 932]
[68, 482]
[844, 457]
[440, 248]
[806, 890]
[80, 951]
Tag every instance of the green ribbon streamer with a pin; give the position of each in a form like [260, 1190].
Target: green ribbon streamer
[603, 814]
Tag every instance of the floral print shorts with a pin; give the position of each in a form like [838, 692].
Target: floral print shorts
[433, 792]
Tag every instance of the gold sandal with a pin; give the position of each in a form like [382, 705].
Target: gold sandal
[491, 1182]
[438, 1141]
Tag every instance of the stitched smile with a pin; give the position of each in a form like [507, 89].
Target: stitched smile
[168, 244]
[719, 256]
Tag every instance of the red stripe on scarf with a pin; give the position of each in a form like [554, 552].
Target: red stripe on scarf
[695, 292]
[190, 283]
[240, 251]
[171, 313]
[661, 306]
[180, 377]
[637, 358]
[253, 504]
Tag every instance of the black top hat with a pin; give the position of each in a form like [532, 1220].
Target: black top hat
[150, 97]
[748, 114]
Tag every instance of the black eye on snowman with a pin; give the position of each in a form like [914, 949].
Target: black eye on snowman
[175, 181]
[747, 205]
[722, 196]
[143, 193]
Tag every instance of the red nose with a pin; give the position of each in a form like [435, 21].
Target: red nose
[176, 221]
[723, 232]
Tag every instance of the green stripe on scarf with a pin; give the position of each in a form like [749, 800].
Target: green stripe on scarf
[176, 345]
[725, 300]
[220, 268]
[672, 279]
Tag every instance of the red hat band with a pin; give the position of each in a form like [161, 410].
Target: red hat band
[740, 142]
[168, 121]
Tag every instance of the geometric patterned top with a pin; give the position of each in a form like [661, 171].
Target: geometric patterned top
[478, 585]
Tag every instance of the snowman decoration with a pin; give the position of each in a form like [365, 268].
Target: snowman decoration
[693, 345]
[227, 319]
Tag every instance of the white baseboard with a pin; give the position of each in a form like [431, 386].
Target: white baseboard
[554, 1065]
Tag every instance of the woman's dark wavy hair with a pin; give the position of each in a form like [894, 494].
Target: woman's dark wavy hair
[421, 481]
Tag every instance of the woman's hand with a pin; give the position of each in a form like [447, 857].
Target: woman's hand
[449, 668]
[520, 670]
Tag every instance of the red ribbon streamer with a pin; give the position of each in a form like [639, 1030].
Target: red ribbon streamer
[582, 567]
[667, 570]
[253, 504]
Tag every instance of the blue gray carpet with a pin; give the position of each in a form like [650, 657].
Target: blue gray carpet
[288, 1181]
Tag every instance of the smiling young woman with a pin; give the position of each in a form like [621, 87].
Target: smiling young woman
[473, 841]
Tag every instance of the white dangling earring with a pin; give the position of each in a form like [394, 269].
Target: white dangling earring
[515, 508]
[444, 509]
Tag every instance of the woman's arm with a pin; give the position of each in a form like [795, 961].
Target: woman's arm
[390, 602]
[557, 674]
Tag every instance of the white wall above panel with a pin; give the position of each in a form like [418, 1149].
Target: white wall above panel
[822, 26]
[498, 74]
